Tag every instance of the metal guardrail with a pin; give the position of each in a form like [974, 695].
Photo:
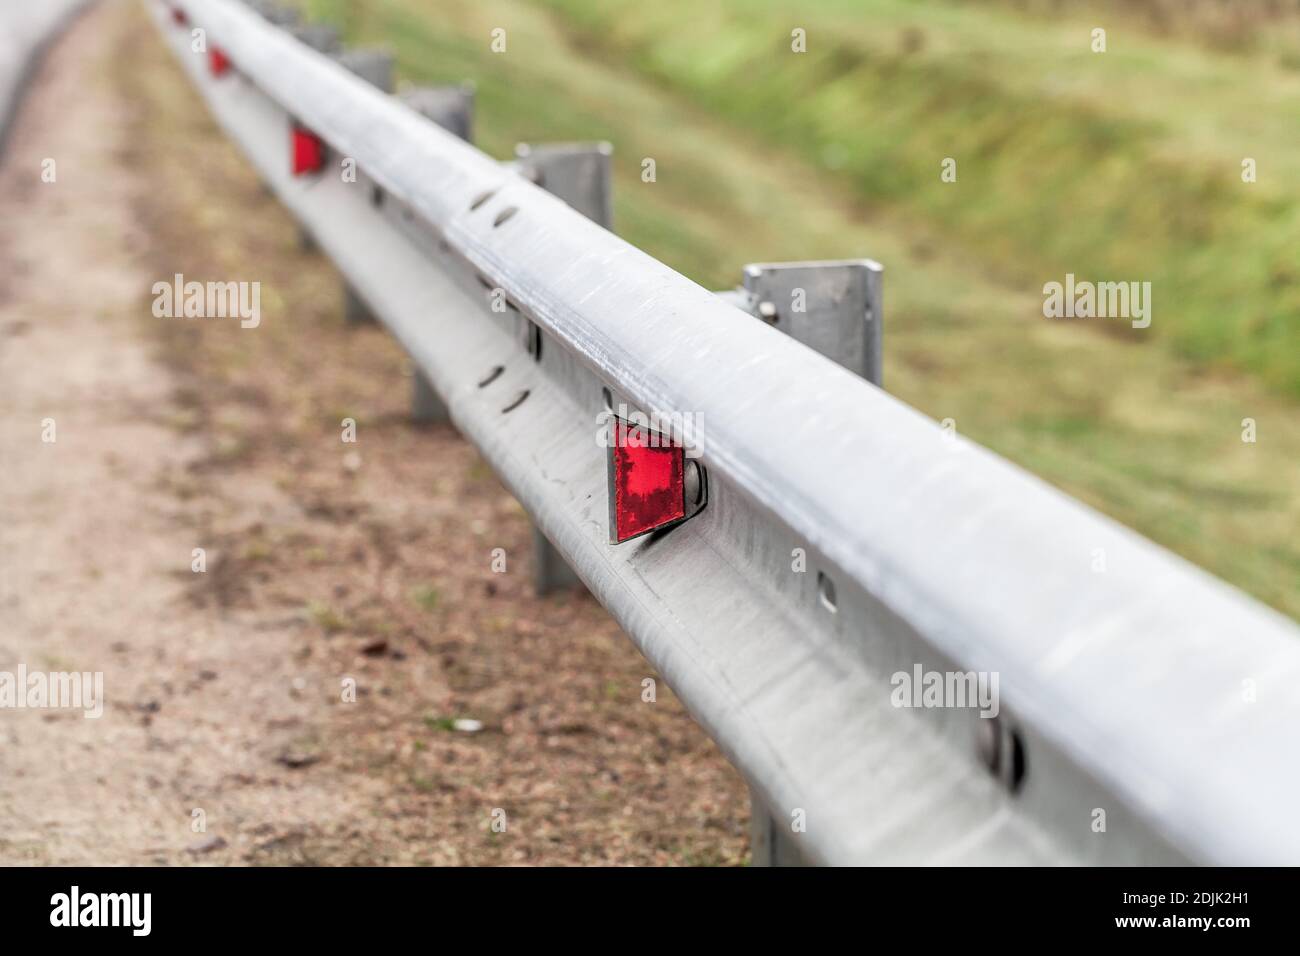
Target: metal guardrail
[846, 538]
[25, 28]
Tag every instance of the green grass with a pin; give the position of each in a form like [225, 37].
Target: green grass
[1119, 165]
[1123, 165]
[1249, 26]
[426, 598]
[326, 618]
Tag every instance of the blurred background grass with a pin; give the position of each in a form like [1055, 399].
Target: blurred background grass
[1123, 165]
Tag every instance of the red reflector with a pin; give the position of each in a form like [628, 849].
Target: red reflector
[647, 487]
[308, 151]
[218, 62]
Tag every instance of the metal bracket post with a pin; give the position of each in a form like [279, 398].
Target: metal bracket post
[287, 17]
[835, 308]
[768, 844]
[324, 39]
[452, 108]
[375, 66]
[276, 13]
[580, 174]
[319, 36]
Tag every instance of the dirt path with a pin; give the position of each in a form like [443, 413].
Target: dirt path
[326, 563]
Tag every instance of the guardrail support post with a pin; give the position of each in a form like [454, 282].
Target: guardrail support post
[275, 13]
[452, 108]
[578, 173]
[375, 66]
[768, 843]
[319, 36]
[836, 308]
[427, 406]
[286, 17]
[324, 39]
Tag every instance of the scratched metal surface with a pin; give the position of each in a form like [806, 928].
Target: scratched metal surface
[1124, 688]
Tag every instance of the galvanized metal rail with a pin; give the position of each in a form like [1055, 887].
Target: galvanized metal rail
[846, 537]
[25, 29]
